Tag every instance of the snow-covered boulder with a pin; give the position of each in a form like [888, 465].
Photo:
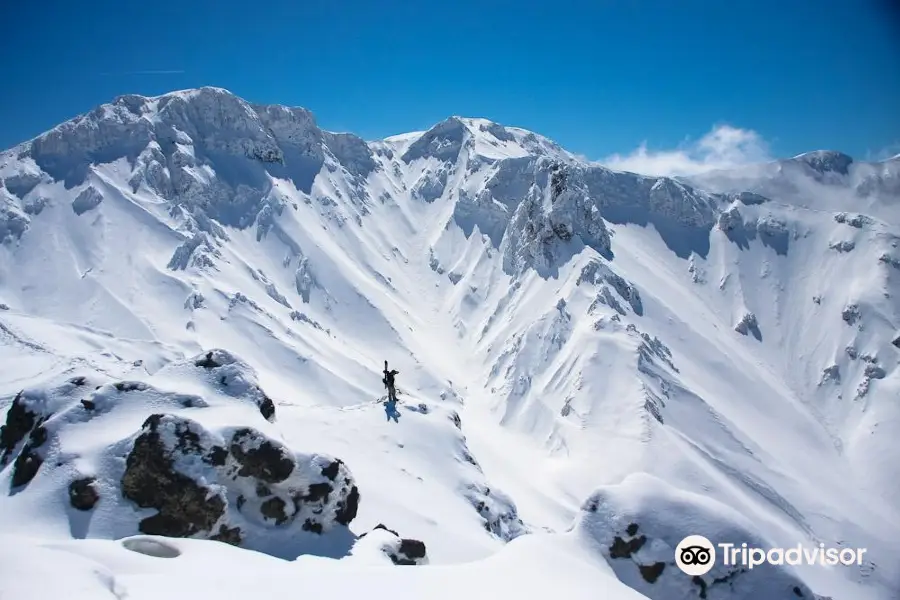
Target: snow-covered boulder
[196, 462]
[217, 484]
[384, 542]
[842, 245]
[498, 511]
[637, 525]
[748, 325]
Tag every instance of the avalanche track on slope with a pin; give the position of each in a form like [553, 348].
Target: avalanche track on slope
[577, 347]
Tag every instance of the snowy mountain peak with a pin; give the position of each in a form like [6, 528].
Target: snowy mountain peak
[826, 161]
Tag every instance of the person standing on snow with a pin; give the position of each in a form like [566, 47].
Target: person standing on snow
[389, 382]
[390, 407]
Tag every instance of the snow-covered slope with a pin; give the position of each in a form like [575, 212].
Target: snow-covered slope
[198, 296]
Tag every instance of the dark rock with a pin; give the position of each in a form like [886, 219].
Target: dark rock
[651, 573]
[347, 509]
[217, 456]
[331, 471]
[29, 460]
[382, 526]
[896, 341]
[130, 386]
[749, 325]
[151, 481]
[87, 200]
[273, 508]
[310, 525]
[412, 548]
[19, 422]
[842, 246]
[410, 552]
[207, 362]
[83, 494]
[698, 581]
[875, 372]
[499, 512]
[832, 373]
[889, 260]
[88, 404]
[267, 408]
[25, 467]
[622, 549]
[632, 529]
[318, 492]
[557, 181]
[850, 314]
[79, 381]
[266, 462]
[857, 221]
[231, 535]
[186, 439]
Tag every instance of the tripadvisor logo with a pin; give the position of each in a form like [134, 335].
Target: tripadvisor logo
[696, 555]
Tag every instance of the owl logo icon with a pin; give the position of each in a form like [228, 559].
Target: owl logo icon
[695, 555]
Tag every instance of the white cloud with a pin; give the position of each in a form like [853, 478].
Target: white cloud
[889, 151]
[724, 147]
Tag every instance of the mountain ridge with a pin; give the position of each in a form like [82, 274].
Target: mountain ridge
[468, 121]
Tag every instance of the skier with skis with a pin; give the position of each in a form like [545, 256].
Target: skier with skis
[390, 407]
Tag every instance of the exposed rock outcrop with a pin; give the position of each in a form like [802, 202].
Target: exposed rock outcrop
[235, 378]
[245, 477]
[638, 524]
[545, 223]
[498, 512]
[83, 494]
[89, 199]
[748, 325]
[401, 551]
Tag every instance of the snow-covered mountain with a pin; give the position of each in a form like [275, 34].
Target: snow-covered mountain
[199, 294]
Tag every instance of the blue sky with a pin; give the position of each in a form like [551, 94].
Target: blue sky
[601, 77]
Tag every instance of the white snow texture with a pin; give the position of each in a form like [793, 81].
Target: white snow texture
[198, 294]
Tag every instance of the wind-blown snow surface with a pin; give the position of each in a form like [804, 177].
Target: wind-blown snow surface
[579, 350]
